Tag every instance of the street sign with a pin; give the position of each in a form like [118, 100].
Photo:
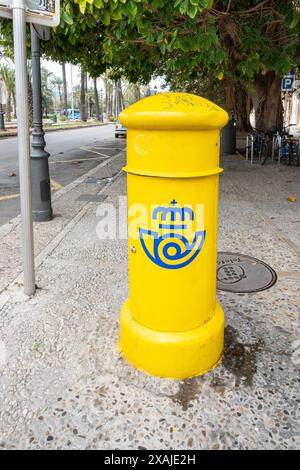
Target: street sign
[44, 12]
[288, 82]
[43, 32]
[5, 8]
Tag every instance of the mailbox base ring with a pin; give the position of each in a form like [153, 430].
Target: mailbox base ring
[177, 355]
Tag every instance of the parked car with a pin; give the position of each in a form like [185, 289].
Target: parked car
[120, 130]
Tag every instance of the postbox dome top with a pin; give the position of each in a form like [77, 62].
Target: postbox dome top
[174, 111]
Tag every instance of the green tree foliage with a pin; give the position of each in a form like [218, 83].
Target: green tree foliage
[136, 38]
[200, 37]
[235, 41]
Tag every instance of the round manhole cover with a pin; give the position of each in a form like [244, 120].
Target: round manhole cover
[242, 274]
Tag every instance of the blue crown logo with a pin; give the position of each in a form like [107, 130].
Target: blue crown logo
[173, 214]
[171, 249]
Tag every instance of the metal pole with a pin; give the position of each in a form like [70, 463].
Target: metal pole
[41, 192]
[19, 31]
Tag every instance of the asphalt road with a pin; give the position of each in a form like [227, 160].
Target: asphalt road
[72, 153]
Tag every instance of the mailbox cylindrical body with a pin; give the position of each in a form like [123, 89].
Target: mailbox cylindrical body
[172, 324]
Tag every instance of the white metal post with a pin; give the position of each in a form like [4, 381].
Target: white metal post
[19, 30]
[279, 139]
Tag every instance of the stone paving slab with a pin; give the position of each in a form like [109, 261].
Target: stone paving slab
[65, 385]
[66, 205]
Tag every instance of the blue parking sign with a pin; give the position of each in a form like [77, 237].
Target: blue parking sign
[288, 82]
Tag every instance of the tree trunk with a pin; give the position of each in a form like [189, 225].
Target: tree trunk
[87, 100]
[8, 106]
[110, 102]
[91, 107]
[108, 98]
[242, 108]
[114, 102]
[15, 106]
[97, 107]
[230, 96]
[120, 98]
[60, 101]
[83, 114]
[136, 92]
[267, 102]
[65, 88]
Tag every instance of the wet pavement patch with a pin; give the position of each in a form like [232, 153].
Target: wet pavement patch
[188, 391]
[242, 274]
[240, 358]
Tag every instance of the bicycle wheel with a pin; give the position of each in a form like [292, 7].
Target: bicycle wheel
[264, 153]
[297, 155]
[290, 154]
[294, 153]
[284, 152]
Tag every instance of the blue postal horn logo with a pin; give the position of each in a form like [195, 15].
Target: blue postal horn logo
[170, 246]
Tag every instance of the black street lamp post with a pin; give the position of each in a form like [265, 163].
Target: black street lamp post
[41, 192]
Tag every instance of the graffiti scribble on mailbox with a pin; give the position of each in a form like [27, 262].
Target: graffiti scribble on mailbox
[184, 99]
[169, 247]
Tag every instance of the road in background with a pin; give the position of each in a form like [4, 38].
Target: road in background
[73, 153]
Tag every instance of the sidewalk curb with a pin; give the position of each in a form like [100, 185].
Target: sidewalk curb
[50, 129]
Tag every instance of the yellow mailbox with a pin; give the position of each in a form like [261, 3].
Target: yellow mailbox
[172, 325]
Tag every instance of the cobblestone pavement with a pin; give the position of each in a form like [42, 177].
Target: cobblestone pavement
[65, 385]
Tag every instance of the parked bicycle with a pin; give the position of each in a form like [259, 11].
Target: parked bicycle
[259, 145]
[278, 145]
[285, 147]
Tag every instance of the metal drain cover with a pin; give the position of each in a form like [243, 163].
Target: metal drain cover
[242, 274]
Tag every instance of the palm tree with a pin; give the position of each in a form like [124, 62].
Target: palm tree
[83, 113]
[96, 95]
[108, 84]
[47, 91]
[133, 92]
[119, 98]
[76, 94]
[7, 74]
[65, 88]
[57, 82]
